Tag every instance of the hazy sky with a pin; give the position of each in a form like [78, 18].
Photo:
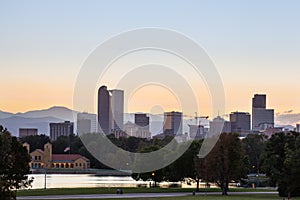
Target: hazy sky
[254, 44]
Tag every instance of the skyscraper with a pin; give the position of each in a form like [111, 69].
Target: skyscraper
[104, 110]
[262, 118]
[259, 101]
[110, 110]
[117, 109]
[172, 123]
[142, 120]
[86, 123]
[240, 121]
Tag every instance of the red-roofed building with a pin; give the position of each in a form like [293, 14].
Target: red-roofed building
[45, 159]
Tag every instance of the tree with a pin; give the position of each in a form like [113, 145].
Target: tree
[253, 146]
[156, 176]
[225, 162]
[184, 167]
[281, 162]
[290, 182]
[94, 163]
[180, 169]
[273, 158]
[35, 141]
[14, 165]
[60, 144]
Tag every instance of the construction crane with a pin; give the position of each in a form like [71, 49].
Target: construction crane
[199, 117]
[196, 117]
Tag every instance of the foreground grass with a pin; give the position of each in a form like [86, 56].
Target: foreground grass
[70, 191]
[214, 197]
[220, 197]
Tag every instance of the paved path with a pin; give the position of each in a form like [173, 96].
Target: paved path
[133, 195]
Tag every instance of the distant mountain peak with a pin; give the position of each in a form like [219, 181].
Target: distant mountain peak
[36, 118]
[4, 114]
[58, 107]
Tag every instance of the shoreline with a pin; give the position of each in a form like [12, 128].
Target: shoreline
[97, 172]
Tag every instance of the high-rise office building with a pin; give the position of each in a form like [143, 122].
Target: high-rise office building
[23, 132]
[104, 110]
[142, 120]
[172, 123]
[110, 110]
[259, 101]
[83, 126]
[61, 129]
[117, 109]
[262, 118]
[86, 123]
[240, 122]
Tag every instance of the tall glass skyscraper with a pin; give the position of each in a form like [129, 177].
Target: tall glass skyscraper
[110, 110]
[117, 109]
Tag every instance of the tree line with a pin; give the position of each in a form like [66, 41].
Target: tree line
[230, 160]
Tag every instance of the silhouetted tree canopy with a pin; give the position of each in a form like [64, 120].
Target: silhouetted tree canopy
[224, 163]
[253, 146]
[14, 165]
[281, 162]
[35, 141]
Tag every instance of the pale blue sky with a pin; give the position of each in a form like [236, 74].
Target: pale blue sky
[254, 44]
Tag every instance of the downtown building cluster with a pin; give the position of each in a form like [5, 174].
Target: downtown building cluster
[110, 120]
[261, 121]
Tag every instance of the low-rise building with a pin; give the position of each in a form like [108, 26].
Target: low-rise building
[218, 126]
[134, 130]
[45, 159]
[272, 130]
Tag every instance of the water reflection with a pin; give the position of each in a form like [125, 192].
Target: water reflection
[82, 180]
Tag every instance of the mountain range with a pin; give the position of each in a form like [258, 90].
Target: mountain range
[40, 119]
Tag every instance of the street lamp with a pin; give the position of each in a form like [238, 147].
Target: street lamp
[153, 174]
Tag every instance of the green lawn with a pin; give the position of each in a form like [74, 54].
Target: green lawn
[220, 197]
[66, 191]
[215, 197]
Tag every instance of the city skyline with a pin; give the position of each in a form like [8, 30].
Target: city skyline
[285, 118]
[111, 120]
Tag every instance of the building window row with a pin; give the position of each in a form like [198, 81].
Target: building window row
[39, 158]
[36, 165]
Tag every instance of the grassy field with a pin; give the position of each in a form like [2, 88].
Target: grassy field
[215, 197]
[220, 197]
[69, 191]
